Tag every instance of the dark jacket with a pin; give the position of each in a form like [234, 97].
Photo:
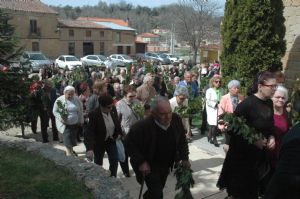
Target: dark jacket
[140, 142]
[96, 133]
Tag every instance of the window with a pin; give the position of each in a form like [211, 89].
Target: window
[102, 48]
[101, 33]
[71, 48]
[128, 50]
[71, 33]
[35, 46]
[118, 37]
[33, 26]
[88, 33]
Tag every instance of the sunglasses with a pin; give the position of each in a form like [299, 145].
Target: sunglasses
[218, 81]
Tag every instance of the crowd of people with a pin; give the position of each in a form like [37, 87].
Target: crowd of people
[101, 109]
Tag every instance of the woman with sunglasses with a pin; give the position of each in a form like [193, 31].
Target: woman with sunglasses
[213, 96]
[246, 165]
[103, 129]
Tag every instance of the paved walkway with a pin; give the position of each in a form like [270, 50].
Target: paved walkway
[206, 163]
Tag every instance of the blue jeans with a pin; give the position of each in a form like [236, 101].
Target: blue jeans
[111, 149]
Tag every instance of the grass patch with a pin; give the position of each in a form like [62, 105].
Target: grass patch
[27, 176]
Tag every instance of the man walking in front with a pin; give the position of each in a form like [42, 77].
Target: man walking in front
[155, 144]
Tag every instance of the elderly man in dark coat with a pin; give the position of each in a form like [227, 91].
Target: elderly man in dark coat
[154, 144]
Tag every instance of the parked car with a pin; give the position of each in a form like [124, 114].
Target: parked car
[121, 59]
[171, 57]
[164, 59]
[156, 58]
[99, 61]
[33, 61]
[68, 62]
[141, 57]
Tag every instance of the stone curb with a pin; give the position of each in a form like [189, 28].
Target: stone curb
[93, 176]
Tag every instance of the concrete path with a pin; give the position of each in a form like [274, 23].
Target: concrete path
[206, 160]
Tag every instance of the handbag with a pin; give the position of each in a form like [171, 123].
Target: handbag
[121, 150]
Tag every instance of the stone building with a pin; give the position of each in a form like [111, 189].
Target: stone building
[35, 25]
[85, 36]
[291, 60]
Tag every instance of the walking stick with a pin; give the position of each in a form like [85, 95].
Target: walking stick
[142, 186]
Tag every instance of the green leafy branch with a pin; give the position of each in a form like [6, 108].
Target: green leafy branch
[194, 106]
[184, 182]
[138, 109]
[239, 126]
[61, 109]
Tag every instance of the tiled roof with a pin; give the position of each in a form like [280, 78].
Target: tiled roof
[148, 35]
[80, 24]
[120, 22]
[113, 26]
[26, 5]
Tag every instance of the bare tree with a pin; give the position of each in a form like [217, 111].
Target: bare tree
[195, 22]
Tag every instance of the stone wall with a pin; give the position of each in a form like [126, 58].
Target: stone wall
[291, 60]
[93, 176]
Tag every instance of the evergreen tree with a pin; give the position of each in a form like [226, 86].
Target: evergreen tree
[9, 49]
[14, 89]
[253, 38]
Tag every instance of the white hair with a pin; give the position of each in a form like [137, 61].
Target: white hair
[69, 88]
[234, 83]
[284, 91]
[181, 90]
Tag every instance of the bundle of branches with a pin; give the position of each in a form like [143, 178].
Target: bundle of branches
[238, 125]
[138, 109]
[184, 182]
[77, 75]
[194, 106]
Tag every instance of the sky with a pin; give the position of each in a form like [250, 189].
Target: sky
[148, 3]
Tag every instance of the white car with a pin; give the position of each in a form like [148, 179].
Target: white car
[99, 61]
[121, 59]
[68, 62]
[171, 57]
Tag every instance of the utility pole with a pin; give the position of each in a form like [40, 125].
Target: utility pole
[172, 39]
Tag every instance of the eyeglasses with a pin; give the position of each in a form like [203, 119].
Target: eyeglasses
[131, 96]
[217, 81]
[272, 86]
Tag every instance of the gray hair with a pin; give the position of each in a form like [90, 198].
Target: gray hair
[157, 100]
[181, 90]
[176, 78]
[69, 88]
[147, 78]
[284, 91]
[234, 83]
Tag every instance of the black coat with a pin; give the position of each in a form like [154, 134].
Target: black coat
[140, 142]
[96, 133]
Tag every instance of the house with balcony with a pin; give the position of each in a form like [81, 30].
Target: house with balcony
[35, 25]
